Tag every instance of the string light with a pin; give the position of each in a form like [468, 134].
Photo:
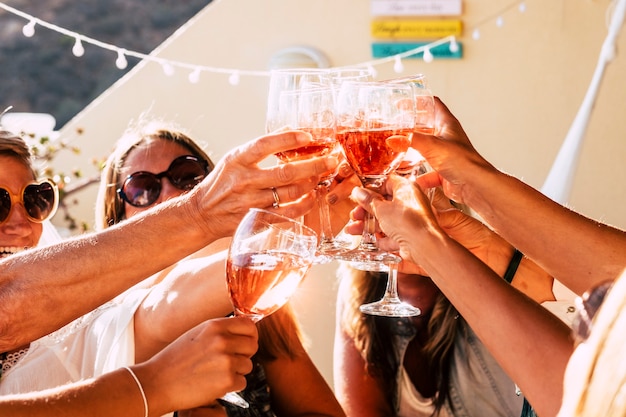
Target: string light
[233, 79]
[168, 69]
[78, 49]
[428, 56]
[194, 76]
[234, 74]
[121, 61]
[521, 6]
[29, 29]
[397, 66]
[454, 46]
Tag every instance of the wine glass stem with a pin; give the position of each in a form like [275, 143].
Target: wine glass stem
[368, 238]
[391, 291]
[326, 230]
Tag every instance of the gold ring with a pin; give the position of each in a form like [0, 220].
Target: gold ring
[276, 203]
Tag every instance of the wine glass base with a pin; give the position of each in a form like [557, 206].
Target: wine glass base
[329, 251]
[373, 260]
[390, 309]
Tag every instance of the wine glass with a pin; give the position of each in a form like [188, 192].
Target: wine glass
[268, 257]
[375, 122]
[424, 102]
[391, 305]
[304, 99]
[341, 74]
[374, 127]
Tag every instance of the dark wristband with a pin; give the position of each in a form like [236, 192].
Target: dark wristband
[512, 268]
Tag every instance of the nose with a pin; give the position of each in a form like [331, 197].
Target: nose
[168, 190]
[18, 223]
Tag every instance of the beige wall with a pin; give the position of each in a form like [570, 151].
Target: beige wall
[516, 90]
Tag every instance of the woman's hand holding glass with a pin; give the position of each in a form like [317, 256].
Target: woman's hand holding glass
[268, 257]
[304, 99]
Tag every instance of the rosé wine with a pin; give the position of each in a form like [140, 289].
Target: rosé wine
[262, 282]
[374, 153]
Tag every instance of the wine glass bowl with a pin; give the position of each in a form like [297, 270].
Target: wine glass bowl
[424, 102]
[268, 257]
[304, 99]
[375, 125]
[375, 122]
[267, 260]
[309, 109]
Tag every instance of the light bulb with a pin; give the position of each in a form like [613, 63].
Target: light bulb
[29, 29]
[499, 22]
[168, 69]
[522, 7]
[121, 61]
[194, 77]
[476, 34]
[78, 49]
[397, 66]
[454, 45]
[234, 78]
[428, 56]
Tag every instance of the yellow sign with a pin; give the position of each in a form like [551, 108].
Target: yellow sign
[416, 29]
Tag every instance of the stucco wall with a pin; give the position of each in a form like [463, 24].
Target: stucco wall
[516, 90]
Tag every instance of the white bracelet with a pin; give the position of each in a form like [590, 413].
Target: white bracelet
[143, 394]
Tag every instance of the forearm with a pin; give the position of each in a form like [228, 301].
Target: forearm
[530, 344]
[77, 275]
[115, 393]
[574, 249]
[193, 291]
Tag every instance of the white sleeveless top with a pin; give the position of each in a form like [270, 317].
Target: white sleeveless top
[98, 342]
[412, 404]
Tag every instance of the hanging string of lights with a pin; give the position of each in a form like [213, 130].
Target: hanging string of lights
[169, 66]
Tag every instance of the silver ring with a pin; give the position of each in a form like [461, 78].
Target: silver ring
[276, 203]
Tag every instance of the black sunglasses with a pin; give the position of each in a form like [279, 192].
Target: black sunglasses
[587, 306]
[142, 189]
[40, 200]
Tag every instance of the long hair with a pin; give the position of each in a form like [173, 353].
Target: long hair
[374, 336]
[277, 332]
[109, 205]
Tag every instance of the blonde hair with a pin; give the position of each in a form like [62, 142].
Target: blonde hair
[595, 379]
[14, 146]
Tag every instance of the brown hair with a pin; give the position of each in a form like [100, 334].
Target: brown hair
[373, 335]
[109, 206]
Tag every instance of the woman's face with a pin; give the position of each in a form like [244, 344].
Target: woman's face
[154, 157]
[17, 232]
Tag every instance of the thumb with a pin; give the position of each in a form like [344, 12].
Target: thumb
[364, 197]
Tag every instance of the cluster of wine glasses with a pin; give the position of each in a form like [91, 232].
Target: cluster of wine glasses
[370, 124]
[350, 115]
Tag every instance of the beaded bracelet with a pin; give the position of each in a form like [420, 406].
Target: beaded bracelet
[143, 394]
[512, 268]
